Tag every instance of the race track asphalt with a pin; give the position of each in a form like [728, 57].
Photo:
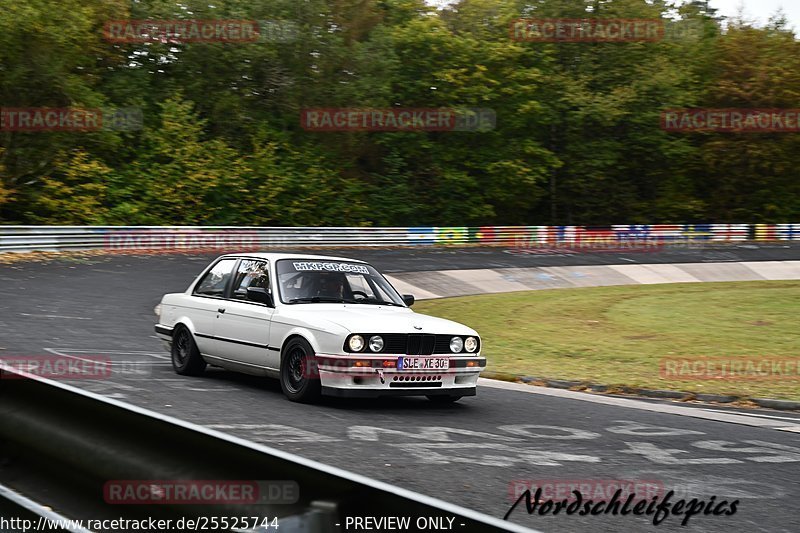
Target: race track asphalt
[475, 453]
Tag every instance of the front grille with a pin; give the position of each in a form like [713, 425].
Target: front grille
[420, 344]
[394, 343]
[411, 343]
[428, 343]
[442, 344]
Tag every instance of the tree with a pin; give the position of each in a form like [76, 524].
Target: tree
[74, 192]
[181, 177]
[752, 176]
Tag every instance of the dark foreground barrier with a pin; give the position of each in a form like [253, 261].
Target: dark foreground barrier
[94, 449]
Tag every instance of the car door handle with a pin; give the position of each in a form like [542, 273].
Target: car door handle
[221, 310]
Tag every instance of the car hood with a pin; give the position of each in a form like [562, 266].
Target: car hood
[360, 318]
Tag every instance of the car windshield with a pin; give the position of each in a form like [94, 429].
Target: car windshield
[304, 281]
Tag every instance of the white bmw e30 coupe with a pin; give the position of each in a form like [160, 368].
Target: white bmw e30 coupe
[321, 325]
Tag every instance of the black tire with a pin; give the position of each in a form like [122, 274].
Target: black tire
[186, 358]
[299, 375]
[435, 398]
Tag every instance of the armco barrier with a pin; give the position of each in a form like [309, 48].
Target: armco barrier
[79, 441]
[57, 238]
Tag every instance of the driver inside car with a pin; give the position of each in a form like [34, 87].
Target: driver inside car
[330, 286]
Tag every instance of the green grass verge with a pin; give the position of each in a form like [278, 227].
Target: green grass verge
[619, 335]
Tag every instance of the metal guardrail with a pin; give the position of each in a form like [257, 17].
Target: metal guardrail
[82, 440]
[132, 238]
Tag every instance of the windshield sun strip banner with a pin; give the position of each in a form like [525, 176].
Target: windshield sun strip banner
[316, 266]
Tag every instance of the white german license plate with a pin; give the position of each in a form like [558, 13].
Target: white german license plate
[423, 363]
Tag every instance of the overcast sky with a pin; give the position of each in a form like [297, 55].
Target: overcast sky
[760, 10]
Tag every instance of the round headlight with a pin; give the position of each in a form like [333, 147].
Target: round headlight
[456, 344]
[356, 343]
[470, 344]
[376, 343]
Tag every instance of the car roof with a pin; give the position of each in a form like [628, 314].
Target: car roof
[276, 256]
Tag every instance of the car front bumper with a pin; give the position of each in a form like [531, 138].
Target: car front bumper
[339, 378]
[377, 393]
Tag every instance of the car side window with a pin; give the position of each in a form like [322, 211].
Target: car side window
[382, 294]
[250, 274]
[213, 283]
[292, 285]
[359, 284]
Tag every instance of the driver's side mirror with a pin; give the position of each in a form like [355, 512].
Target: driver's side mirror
[260, 295]
[408, 299]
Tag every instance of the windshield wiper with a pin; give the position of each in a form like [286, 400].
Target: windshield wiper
[321, 299]
[329, 299]
[379, 302]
